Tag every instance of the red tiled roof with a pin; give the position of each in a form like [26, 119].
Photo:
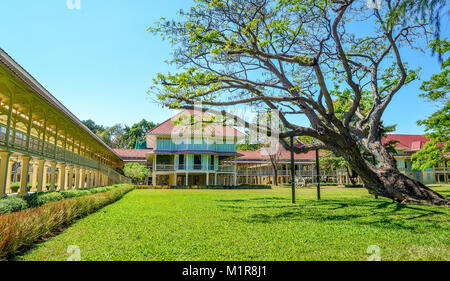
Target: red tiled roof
[133, 153]
[407, 142]
[168, 127]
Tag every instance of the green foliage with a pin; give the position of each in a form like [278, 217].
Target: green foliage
[75, 193]
[38, 199]
[248, 147]
[137, 172]
[330, 162]
[95, 128]
[426, 10]
[12, 204]
[20, 230]
[119, 136]
[437, 125]
[15, 187]
[254, 225]
[438, 87]
[242, 186]
[136, 133]
[101, 189]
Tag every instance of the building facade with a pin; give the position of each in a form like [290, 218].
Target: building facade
[406, 146]
[182, 155]
[208, 156]
[43, 146]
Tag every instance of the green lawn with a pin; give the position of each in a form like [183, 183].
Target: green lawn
[254, 225]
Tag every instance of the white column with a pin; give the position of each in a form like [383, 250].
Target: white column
[40, 175]
[24, 175]
[52, 176]
[4, 169]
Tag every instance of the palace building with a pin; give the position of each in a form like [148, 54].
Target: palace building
[43, 146]
[208, 156]
[406, 146]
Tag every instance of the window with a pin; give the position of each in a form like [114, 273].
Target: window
[181, 162]
[211, 167]
[197, 162]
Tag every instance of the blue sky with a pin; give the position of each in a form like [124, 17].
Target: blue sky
[99, 61]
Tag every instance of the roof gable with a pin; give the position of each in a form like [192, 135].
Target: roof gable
[169, 127]
[407, 142]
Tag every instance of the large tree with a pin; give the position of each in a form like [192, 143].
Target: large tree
[285, 55]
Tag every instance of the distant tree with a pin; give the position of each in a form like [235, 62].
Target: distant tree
[136, 133]
[272, 151]
[95, 128]
[137, 172]
[437, 125]
[248, 147]
[330, 162]
[112, 136]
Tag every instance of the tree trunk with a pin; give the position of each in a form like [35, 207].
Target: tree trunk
[387, 181]
[275, 178]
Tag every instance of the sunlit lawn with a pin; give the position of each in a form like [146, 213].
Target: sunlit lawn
[254, 225]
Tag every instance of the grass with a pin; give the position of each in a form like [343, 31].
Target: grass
[254, 225]
[20, 230]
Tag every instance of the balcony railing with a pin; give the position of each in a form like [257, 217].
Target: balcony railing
[442, 169]
[18, 139]
[165, 168]
[226, 168]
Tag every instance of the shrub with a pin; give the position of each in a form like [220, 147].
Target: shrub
[143, 187]
[39, 199]
[75, 193]
[242, 186]
[15, 187]
[21, 229]
[100, 189]
[354, 185]
[12, 204]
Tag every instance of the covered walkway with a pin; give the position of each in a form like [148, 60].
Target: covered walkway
[43, 146]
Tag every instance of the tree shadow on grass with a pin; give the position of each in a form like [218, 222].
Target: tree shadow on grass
[382, 214]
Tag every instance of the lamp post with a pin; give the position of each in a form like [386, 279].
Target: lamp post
[292, 170]
[318, 174]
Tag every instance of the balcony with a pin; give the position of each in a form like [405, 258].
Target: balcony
[226, 168]
[18, 140]
[442, 169]
[165, 168]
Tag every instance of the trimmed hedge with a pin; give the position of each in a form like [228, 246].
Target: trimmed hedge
[242, 186]
[12, 204]
[39, 199]
[74, 193]
[354, 185]
[22, 229]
